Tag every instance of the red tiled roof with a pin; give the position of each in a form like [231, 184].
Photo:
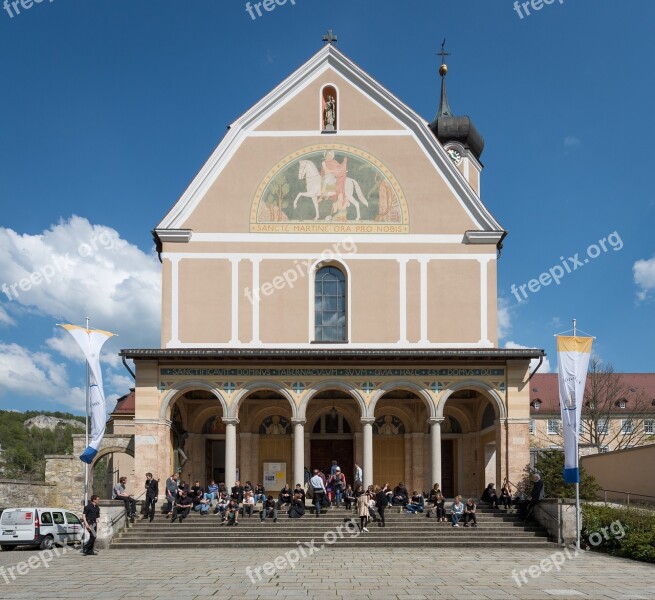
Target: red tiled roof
[545, 387]
[125, 404]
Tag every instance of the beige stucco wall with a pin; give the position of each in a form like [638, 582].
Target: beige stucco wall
[624, 471]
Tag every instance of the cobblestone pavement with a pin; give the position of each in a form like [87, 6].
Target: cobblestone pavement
[331, 572]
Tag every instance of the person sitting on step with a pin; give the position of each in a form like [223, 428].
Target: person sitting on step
[285, 496]
[400, 495]
[248, 506]
[416, 504]
[269, 509]
[200, 503]
[457, 510]
[297, 508]
[299, 490]
[182, 507]
[221, 504]
[506, 494]
[440, 508]
[231, 516]
[349, 497]
[489, 495]
[434, 492]
[469, 513]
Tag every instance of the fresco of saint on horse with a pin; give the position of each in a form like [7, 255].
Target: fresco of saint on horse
[330, 184]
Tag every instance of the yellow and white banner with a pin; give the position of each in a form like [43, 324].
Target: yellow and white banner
[91, 342]
[573, 354]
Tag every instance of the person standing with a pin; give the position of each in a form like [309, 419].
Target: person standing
[363, 502]
[382, 500]
[90, 518]
[318, 489]
[152, 492]
[120, 493]
[358, 476]
[171, 493]
[339, 483]
[537, 494]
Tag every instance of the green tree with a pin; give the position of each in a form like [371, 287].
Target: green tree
[550, 465]
[19, 459]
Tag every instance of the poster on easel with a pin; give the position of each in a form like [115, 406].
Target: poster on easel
[275, 476]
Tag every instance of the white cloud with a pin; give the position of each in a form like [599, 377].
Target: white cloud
[571, 141]
[25, 373]
[545, 366]
[5, 318]
[504, 318]
[644, 276]
[75, 269]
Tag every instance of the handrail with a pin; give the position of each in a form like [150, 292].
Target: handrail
[628, 494]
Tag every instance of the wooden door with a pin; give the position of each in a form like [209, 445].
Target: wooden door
[323, 452]
[447, 469]
[388, 459]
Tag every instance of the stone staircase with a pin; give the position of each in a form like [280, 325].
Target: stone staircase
[496, 529]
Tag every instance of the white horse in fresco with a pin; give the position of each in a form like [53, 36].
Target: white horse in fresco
[312, 177]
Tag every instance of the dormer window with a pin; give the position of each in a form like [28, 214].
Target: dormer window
[622, 403]
[536, 404]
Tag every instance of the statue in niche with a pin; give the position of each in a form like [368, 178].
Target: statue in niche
[274, 425]
[330, 114]
[179, 440]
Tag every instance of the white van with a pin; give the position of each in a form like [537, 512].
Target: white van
[42, 527]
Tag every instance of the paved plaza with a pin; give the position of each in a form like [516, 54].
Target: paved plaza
[330, 572]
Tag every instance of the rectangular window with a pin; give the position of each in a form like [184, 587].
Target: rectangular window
[604, 449]
[553, 426]
[649, 425]
[533, 426]
[603, 426]
[626, 426]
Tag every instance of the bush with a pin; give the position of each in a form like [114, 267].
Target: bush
[637, 527]
[550, 465]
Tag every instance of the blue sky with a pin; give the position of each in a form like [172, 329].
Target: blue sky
[108, 109]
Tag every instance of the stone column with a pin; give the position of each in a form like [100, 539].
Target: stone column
[230, 451]
[435, 450]
[367, 438]
[298, 452]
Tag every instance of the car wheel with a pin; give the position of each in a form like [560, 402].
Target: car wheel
[47, 543]
[7, 547]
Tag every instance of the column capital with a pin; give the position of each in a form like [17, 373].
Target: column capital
[230, 420]
[298, 422]
[436, 420]
[367, 420]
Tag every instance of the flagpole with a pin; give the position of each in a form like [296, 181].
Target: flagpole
[86, 429]
[577, 467]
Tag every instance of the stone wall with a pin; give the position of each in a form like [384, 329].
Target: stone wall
[557, 515]
[17, 493]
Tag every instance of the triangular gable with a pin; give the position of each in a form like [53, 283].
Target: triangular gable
[329, 57]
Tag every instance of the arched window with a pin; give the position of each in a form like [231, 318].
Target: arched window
[330, 305]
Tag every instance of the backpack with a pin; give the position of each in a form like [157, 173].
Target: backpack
[431, 514]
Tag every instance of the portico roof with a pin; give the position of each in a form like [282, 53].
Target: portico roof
[478, 355]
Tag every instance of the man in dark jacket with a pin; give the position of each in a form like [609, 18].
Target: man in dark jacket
[237, 492]
[152, 491]
[381, 501]
[297, 508]
[400, 495]
[537, 495]
[285, 497]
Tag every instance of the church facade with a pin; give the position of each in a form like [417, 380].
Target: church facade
[329, 293]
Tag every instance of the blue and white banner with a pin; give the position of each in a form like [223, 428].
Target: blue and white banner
[91, 342]
[573, 354]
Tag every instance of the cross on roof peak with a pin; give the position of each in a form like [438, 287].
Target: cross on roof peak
[443, 51]
[330, 37]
